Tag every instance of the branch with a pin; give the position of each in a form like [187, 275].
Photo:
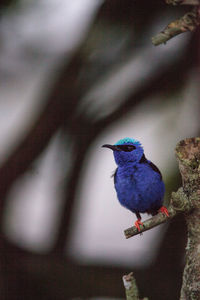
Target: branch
[179, 203]
[131, 288]
[188, 22]
[182, 2]
[188, 155]
[150, 223]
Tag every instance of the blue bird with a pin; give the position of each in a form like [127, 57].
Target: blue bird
[138, 182]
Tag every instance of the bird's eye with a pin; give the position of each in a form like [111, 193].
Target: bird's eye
[126, 148]
[130, 148]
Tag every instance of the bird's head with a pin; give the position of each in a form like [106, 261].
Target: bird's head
[126, 151]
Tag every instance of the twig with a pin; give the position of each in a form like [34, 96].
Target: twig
[182, 2]
[188, 22]
[131, 289]
[179, 203]
[150, 223]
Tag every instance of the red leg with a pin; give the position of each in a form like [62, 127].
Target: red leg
[164, 211]
[138, 223]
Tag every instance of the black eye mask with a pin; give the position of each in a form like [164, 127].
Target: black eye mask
[126, 148]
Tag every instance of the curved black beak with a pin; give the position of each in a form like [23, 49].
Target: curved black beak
[112, 147]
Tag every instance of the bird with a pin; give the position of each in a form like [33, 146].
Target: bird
[138, 182]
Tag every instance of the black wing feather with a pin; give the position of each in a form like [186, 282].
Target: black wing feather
[145, 161]
[155, 168]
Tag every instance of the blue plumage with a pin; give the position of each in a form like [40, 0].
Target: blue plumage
[138, 182]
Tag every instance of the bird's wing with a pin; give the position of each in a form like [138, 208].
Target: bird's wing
[155, 168]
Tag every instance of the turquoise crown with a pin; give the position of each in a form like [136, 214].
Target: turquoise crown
[127, 141]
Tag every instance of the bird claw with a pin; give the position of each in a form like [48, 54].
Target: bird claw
[137, 224]
[164, 211]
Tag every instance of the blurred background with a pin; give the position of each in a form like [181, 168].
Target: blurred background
[75, 75]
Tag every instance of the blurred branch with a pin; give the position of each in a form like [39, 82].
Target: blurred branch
[61, 103]
[161, 82]
[66, 214]
[36, 274]
[7, 4]
[56, 277]
[131, 288]
[188, 22]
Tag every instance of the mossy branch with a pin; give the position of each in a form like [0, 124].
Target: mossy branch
[188, 22]
[188, 155]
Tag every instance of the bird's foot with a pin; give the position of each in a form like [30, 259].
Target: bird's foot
[138, 223]
[164, 211]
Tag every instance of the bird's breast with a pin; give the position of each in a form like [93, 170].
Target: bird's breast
[138, 187]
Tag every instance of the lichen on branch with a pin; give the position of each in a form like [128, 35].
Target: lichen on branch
[188, 22]
[188, 154]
